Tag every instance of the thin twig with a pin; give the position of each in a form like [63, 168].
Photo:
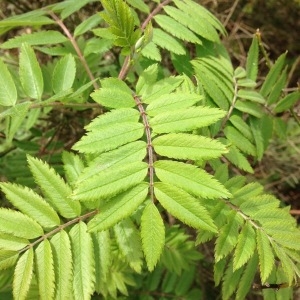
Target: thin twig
[127, 62]
[232, 9]
[61, 104]
[75, 45]
[59, 228]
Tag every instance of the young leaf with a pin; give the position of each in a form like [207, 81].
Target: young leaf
[64, 74]
[111, 181]
[30, 73]
[129, 242]
[44, 270]
[23, 275]
[187, 146]
[153, 235]
[265, 254]
[19, 225]
[120, 18]
[31, 204]
[252, 60]
[83, 262]
[245, 246]
[62, 257]
[190, 178]
[54, 188]
[183, 206]
[185, 119]
[8, 91]
[118, 208]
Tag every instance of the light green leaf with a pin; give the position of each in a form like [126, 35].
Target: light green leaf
[129, 153]
[23, 275]
[240, 73]
[110, 137]
[147, 78]
[118, 208]
[54, 188]
[151, 51]
[37, 38]
[166, 41]
[19, 225]
[190, 178]
[203, 19]
[169, 24]
[238, 159]
[121, 115]
[8, 91]
[31, 204]
[10, 242]
[265, 254]
[240, 124]
[188, 146]
[32, 18]
[245, 246]
[273, 75]
[247, 277]
[83, 262]
[249, 108]
[252, 59]
[151, 91]
[87, 25]
[62, 257]
[103, 257]
[31, 76]
[44, 270]
[8, 258]
[153, 235]
[245, 82]
[130, 244]
[73, 166]
[111, 181]
[64, 74]
[231, 280]
[236, 138]
[140, 5]
[16, 116]
[183, 206]
[251, 95]
[171, 102]
[287, 102]
[228, 237]
[185, 119]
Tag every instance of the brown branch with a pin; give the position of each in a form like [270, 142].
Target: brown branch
[75, 45]
[59, 228]
[149, 146]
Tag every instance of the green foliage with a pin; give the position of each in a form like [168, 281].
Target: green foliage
[157, 159]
